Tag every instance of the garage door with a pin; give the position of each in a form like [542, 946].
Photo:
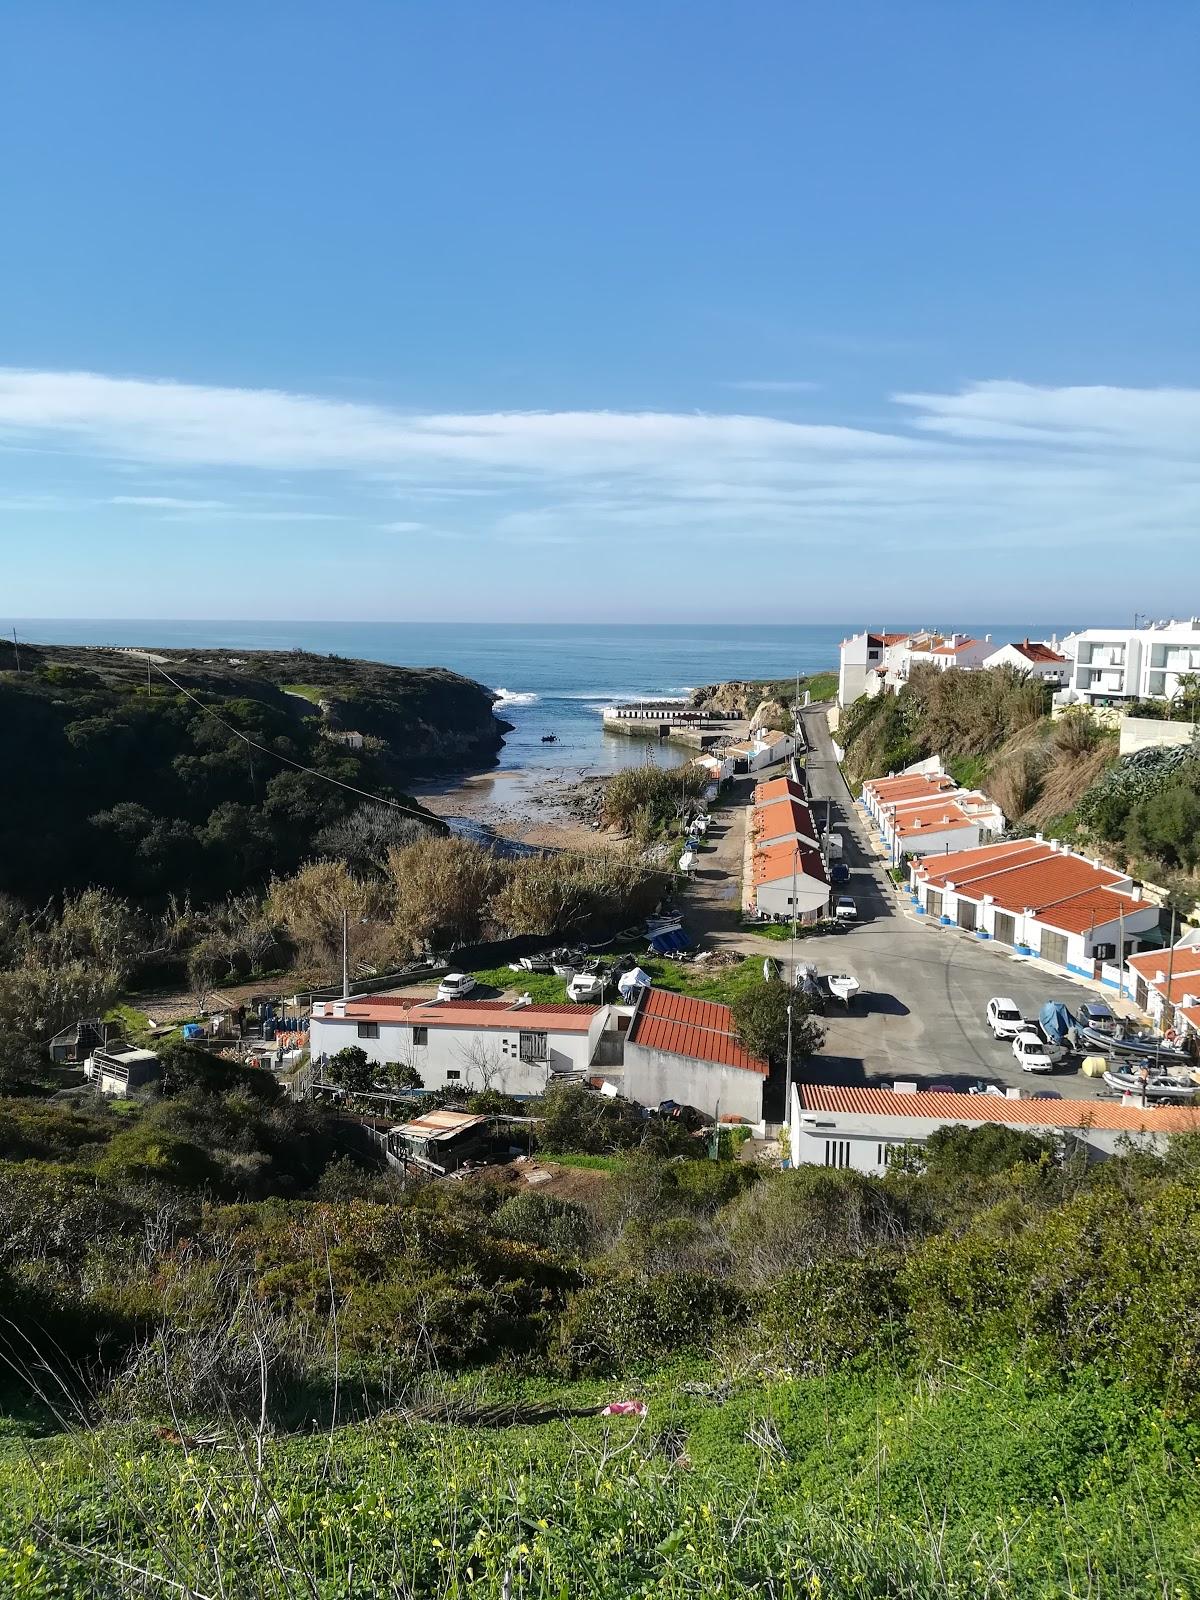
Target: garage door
[967, 910]
[933, 903]
[1054, 947]
[1005, 928]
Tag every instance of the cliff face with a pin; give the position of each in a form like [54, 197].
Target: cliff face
[736, 700]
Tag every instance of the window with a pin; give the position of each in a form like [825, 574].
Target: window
[368, 1030]
[453, 1072]
[837, 1152]
[420, 1035]
[534, 1047]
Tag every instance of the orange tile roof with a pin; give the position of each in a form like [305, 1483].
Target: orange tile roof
[1034, 650]
[498, 1014]
[702, 1029]
[1148, 962]
[773, 862]
[778, 789]
[948, 649]
[936, 818]
[906, 786]
[779, 822]
[1060, 889]
[946, 1106]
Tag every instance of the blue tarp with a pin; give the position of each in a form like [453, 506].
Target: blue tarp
[1056, 1021]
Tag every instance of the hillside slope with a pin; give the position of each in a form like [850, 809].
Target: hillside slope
[116, 776]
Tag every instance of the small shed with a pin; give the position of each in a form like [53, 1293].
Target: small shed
[440, 1141]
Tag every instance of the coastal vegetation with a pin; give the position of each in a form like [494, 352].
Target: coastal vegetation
[649, 801]
[185, 775]
[249, 1365]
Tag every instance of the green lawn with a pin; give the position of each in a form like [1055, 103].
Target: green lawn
[309, 691]
[543, 987]
[822, 685]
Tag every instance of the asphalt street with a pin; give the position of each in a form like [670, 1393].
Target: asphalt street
[920, 1011]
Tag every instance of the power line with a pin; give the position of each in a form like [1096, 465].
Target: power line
[366, 794]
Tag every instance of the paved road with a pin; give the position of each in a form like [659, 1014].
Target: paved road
[924, 988]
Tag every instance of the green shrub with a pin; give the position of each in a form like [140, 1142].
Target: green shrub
[620, 1320]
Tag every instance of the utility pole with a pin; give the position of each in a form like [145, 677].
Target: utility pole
[345, 954]
[787, 1078]
[16, 650]
[1167, 998]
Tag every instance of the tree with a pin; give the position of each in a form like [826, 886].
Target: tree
[1187, 694]
[442, 888]
[310, 906]
[760, 1018]
[404, 1075]
[352, 1069]
[985, 1151]
[207, 962]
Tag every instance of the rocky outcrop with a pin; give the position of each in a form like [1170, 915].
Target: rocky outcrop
[770, 714]
[732, 700]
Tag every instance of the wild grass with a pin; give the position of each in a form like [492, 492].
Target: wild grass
[985, 1483]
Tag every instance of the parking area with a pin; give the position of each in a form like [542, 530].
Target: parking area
[919, 1014]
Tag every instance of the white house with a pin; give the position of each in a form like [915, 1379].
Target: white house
[864, 661]
[515, 1047]
[788, 879]
[859, 1127]
[1034, 657]
[1166, 986]
[958, 819]
[784, 821]
[686, 1050]
[880, 795]
[1115, 664]
[1038, 899]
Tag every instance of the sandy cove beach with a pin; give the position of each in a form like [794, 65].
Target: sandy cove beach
[529, 807]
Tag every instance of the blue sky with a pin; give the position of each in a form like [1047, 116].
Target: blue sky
[614, 311]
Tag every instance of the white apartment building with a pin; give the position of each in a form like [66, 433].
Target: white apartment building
[1115, 664]
[515, 1047]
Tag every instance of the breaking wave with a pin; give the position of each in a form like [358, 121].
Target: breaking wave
[510, 697]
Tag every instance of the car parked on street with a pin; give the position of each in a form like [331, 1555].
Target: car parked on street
[839, 872]
[1004, 1018]
[845, 909]
[1031, 1053]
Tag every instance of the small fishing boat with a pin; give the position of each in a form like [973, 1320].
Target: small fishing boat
[843, 987]
[1161, 1085]
[549, 738]
[1135, 1044]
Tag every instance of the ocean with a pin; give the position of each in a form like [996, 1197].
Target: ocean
[551, 677]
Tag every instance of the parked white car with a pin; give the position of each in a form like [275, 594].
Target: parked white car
[1031, 1053]
[1004, 1018]
[454, 985]
[845, 909]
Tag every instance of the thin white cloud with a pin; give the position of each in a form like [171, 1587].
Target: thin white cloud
[167, 502]
[401, 527]
[990, 465]
[774, 385]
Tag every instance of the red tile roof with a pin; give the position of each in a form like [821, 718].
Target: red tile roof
[780, 821]
[497, 1014]
[1034, 650]
[1149, 962]
[936, 817]
[1062, 890]
[940, 1106]
[907, 786]
[774, 789]
[773, 862]
[948, 649]
[701, 1029]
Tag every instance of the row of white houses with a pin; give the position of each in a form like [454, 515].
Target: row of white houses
[1039, 898]
[1094, 666]
[923, 811]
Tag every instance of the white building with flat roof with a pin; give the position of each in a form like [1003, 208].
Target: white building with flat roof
[1116, 664]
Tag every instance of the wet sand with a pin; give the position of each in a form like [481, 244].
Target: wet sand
[528, 807]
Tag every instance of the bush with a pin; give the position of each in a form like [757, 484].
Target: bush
[620, 1321]
[541, 1220]
[814, 1319]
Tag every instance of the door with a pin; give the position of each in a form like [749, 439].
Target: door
[967, 910]
[933, 903]
[1005, 928]
[1054, 947]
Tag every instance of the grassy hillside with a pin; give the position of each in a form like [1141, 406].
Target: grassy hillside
[112, 777]
[256, 1369]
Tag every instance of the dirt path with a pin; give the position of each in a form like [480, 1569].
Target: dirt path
[712, 902]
